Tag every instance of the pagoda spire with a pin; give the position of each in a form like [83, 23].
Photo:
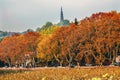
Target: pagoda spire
[61, 15]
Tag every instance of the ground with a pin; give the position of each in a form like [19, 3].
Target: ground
[60, 73]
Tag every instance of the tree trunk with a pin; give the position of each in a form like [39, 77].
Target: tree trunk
[33, 62]
[8, 61]
[69, 60]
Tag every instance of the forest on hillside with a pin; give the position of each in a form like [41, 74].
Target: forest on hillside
[94, 40]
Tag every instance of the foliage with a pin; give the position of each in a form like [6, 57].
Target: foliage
[14, 48]
[94, 40]
[45, 26]
[49, 30]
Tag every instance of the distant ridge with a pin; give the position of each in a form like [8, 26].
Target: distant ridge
[5, 34]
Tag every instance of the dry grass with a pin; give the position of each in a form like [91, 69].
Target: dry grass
[94, 73]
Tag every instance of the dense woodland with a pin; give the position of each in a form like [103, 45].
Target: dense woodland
[94, 40]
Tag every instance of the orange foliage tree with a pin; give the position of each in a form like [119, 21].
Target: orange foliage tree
[14, 48]
[94, 41]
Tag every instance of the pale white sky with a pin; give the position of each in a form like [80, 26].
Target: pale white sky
[20, 15]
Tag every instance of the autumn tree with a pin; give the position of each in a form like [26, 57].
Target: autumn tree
[14, 48]
[104, 32]
[45, 48]
[94, 41]
[8, 50]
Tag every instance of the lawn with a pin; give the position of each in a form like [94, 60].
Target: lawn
[81, 73]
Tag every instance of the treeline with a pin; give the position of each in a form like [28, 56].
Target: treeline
[94, 40]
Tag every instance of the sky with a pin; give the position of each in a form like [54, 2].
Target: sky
[20, 15]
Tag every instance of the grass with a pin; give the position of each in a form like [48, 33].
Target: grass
[94, 73]
[4, 72]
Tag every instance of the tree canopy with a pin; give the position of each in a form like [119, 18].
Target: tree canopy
[94, 40]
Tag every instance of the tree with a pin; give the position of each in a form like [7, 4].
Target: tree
[76, 22]
[30, 41]
[47, 25]
[45, 48]
[14, 48]
[8, 49]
